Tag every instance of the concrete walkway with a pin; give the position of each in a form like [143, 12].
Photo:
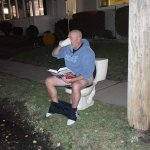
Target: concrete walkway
[108, 91]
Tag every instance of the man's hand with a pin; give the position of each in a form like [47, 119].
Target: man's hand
[68, 81]
[72, 79]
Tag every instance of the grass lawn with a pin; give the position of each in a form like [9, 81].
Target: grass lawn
[116, 52]
[101, 127]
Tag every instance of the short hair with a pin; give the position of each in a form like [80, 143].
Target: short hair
[78, 32]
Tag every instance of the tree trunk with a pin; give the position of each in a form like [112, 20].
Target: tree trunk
[139, 64]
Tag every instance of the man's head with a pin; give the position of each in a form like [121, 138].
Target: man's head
[76, 38]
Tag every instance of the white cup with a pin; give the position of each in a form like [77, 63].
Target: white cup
[65, 42]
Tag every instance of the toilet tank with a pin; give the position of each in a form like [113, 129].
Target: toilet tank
[101, 69]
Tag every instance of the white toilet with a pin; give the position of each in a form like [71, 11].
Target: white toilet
[88, 93]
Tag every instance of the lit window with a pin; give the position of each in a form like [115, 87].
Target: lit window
[103, 3]
[14, 14]
[6, 11]
[38, 6]
[70, 7]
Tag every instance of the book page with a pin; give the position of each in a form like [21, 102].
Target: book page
[64, 71]
[53, 72]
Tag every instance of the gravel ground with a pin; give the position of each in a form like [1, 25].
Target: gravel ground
[15, 132]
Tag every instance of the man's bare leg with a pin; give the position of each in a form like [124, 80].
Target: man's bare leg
[75, 97]
[76, 91]
[51, 84]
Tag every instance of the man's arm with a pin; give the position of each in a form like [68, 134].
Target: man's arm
[72, 79]
[61, 44]
[76, 79]
[56, 50]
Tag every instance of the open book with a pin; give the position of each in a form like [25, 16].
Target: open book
[62, 72]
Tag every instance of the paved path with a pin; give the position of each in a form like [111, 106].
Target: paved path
[108, 91]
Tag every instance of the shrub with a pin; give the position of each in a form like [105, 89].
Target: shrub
[48, 38]
[121, 20]
[18, 31]
[61, 29]
[32, 32]
[91, 23]
[6, 27]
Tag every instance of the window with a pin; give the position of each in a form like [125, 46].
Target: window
[70, 7]
[13, 9]
[5, 10]
[38, 8]
[22, 8]
[14, 14]
[104, 3]
[28, 8]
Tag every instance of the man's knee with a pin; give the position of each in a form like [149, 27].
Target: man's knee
[76, 86]
[48, 81]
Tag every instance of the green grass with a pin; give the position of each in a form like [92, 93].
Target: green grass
[116, 52]
[101, 127]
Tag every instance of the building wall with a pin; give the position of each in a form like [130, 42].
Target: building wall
[89, 5]
[49, 7]
[43, 23]
[61, 9]
[56, 10]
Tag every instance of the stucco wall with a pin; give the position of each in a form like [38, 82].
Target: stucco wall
[43, 23]
[110, 18]
[89, 5]
[56, 10]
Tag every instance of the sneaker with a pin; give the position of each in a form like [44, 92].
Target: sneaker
[51, 110]
[71, 122]
[48, 114]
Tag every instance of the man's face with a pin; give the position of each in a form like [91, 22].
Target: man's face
[75, 40]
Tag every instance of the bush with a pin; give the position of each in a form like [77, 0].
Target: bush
[32, 32]
[61, 29]
[91, 23]
[48, 38]
[18, 31]
[5, 27]
[121, 20]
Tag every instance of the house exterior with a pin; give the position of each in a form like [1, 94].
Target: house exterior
[45, 13]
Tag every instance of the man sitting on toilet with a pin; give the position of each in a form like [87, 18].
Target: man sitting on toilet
[80, 59]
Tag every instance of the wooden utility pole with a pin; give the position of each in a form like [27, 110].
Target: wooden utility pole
[139, 64]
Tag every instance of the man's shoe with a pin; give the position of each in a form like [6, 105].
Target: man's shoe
[48, 115]
[73, 118]
[70, 122]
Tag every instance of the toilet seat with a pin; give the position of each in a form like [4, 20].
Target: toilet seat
[70, 87]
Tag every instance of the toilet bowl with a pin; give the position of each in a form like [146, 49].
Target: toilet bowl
[88, 93]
